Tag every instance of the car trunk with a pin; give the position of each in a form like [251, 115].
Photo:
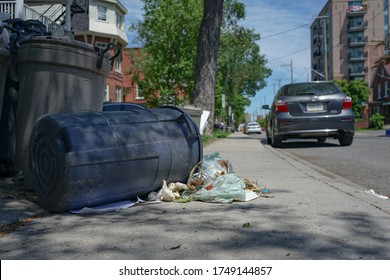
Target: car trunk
[311, 105]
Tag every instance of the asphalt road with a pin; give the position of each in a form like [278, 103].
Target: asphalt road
[366, 162]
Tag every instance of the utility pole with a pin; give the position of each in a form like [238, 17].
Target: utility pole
[291, 70]
[279, 83]
[68, 23]
[325, 52]
[325, 47]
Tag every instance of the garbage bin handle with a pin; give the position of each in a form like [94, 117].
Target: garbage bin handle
[99, 63]
[12, 43]
[194, 132]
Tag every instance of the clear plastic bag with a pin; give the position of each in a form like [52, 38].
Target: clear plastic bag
[223, 189]
[212, 166]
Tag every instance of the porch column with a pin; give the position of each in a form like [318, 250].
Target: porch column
[19, 9]
[68, 24]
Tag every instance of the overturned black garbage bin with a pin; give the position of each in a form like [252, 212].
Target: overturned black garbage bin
[86, 159]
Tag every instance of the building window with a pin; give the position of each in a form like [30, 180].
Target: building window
[118, 63]
[101, 13]
[118, 93]
[379, 96]
[106, 94]
[356, 37]
[119, 21]
[356, 53]
[138, 92]
[386, 89]
[356, 22]
[101, 45]
[356, 68]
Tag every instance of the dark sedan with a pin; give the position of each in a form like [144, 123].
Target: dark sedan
[310, 110]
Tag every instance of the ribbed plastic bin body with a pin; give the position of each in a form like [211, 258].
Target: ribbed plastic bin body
[87, 159]
[55, 76]
[4, 60]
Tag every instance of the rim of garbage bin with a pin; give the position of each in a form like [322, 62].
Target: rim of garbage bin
[58, 40]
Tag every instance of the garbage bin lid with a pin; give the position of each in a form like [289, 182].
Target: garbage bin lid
[58, 41]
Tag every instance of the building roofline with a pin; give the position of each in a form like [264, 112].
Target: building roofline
[119, 4]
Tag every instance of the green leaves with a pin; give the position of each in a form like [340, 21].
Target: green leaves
[166, 65]
[358, 91]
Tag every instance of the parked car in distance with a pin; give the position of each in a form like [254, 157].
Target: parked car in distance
[310, 110]
[252, 127]
[219, 125]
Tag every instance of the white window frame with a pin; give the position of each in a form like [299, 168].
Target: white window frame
[107, 93]
[118, 63]
[138, 92]
[119, 21]
[386, 89]
[100, 15]
[379, 96]
[118, 94]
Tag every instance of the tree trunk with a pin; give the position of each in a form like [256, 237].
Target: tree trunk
[206, 61]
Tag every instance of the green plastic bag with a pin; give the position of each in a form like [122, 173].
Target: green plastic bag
[223, 189]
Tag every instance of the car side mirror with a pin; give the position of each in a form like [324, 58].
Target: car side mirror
[265, 107]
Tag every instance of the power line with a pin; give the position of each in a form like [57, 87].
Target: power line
[298, 51]
[286, 31]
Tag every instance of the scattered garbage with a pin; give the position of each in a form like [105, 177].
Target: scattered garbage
[372, 192]
[211, 180]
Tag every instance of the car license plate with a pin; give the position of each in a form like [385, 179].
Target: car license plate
[312, 107]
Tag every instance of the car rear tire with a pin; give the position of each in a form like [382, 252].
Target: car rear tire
[269, 141]
[276, 141]
[345, 139]
[321, 139]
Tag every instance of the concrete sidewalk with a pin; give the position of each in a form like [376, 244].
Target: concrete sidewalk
[313, 214]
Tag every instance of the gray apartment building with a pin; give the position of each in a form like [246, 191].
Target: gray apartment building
[345, 39]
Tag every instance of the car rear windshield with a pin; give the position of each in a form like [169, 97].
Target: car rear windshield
[310, 89]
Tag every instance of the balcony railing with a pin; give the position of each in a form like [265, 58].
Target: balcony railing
[52, 27]
[357, 26]
[8, 8]
[357, 10]
[355, 72]
[358, 57]
[357, 41]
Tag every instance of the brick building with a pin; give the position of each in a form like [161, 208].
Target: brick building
[381, 92]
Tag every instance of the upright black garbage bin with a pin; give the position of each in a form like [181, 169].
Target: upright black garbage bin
[8, 103]
[56, 75]
[87, 159]
[4, 60]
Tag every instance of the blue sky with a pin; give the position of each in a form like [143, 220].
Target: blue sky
[284, 26]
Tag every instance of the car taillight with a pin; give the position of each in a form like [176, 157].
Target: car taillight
[280, 106]
[347, 103]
